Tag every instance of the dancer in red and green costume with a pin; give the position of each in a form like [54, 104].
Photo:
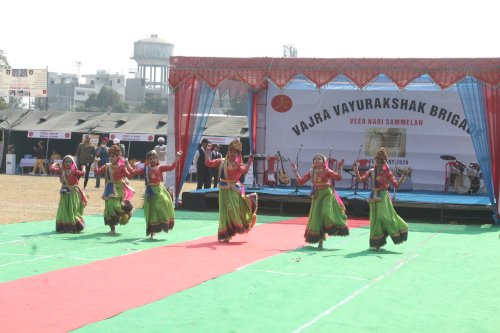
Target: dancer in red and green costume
[327, 213]
[158, 202]
[238, 212]
[72, 199]
[117, 193]
[384, 221]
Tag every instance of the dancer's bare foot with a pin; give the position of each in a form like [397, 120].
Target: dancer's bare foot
[320, 245]
[152, 236]
[112, 231]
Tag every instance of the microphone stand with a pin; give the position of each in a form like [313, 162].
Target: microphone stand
[356, 184]
[296, 191]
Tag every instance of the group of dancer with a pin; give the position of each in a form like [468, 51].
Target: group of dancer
[327, 215]
[118, 208]
[237, 210]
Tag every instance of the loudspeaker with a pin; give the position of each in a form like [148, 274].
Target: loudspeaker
[194, 201]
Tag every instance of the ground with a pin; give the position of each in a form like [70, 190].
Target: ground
[35, 198]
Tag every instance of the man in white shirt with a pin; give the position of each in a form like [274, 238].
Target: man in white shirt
[161, 152]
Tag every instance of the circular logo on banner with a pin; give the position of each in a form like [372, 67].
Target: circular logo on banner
[67, 135]
[150, 138]
[281, 103]
[30, 134]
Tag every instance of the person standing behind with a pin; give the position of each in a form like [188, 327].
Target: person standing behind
[116, 141]
[40, 159]
[327, 214]
[101, 153]
[72, 200]
[85, 156]
[214, 172]
[202, 171]
[161, 153]
[384, 221]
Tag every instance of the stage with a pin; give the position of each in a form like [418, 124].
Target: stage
[424, 205]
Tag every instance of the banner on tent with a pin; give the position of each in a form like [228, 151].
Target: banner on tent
[416, 128]
[49, 134]
[220, 140]
[132, 137]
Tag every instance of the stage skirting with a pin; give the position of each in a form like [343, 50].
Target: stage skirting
[290, 201]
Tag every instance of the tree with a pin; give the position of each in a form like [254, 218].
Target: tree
[154, 104]
[3, 104]
[4, 63]
[106, 99]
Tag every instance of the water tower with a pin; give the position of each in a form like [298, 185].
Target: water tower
[153, 58]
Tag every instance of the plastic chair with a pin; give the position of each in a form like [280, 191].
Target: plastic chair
[363, 165]
[271, 172]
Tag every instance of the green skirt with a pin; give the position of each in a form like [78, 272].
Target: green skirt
[326, 216]
[158, 210]
[116, 209]
[69, 216]
[384, 222]
[237, 213]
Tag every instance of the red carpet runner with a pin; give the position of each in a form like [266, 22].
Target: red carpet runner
[66, 299]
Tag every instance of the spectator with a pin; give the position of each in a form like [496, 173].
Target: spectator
[40, 159]
[101, 154]
[202, 171]
[54, 158]
[161, 153]
[214, 172]
[85, 153]
[116, 141]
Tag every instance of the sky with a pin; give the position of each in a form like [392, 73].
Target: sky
[58, 34]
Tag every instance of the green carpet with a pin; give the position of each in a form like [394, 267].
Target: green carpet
[442, 280]
[32, 248]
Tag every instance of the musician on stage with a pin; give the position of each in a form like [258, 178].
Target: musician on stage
[237, 211]
[384, 221]
[327, 213]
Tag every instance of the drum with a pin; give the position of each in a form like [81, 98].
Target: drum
[459, 167]
[475, 185]
[461, 184]
[474, 170]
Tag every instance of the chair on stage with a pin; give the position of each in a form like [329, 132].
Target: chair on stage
[363, 165]
[271, 171]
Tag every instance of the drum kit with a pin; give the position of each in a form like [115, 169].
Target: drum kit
[464, 179]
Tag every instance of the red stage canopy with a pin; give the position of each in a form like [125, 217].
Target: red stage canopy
[255, 72]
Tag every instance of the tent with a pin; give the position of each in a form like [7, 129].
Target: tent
[17, 125]
[194, 80]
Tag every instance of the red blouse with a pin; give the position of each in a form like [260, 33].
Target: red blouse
[384, 178]
[320, 179]
[118, 172]
[155, 173]
[234, 171]
[72, 177]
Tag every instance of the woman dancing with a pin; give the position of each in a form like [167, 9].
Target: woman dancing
[158, 203]
[237, 211]
[72, 199]
[384, 221]
[327, 213]
[117, 193]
